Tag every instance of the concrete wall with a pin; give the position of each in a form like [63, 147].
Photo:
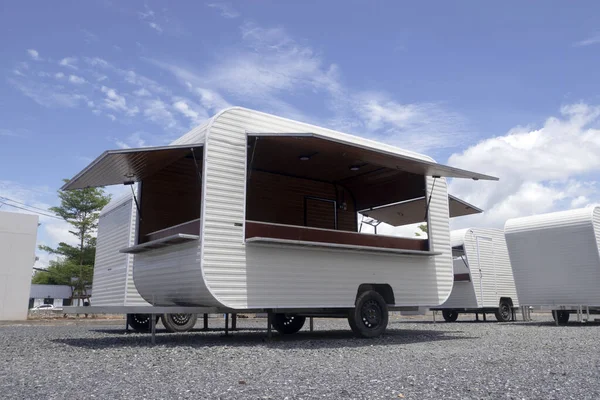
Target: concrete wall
[18, 235]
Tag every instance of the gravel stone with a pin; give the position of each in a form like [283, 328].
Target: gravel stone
[415, 359]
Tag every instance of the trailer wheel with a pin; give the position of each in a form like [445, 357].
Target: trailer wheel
[140, 322]
[450, 315]
[287, 324]
[561, 315]
[179, 322]
[369, 318]
[504, 311]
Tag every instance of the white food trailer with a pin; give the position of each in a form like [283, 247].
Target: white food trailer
[556, 261]
[256, 213]
[483, 277]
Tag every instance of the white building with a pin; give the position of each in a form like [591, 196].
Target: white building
[56, 295]
[18, 235]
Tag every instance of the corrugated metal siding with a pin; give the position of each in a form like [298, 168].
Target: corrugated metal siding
[110, 269]
[491, 272]
[132, 296]
[462, 296]
[172, 276]
[442, 278]
[195, 136]
[496, 277]
[555, 257]
[241, 276]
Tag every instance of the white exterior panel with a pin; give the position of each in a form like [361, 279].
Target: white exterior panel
[251, 276]
[489, 269]
[18, 235]
[113, 281]
[555, 257]
[220, 269]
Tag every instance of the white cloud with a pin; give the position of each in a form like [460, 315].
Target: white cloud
[211, 100]
[48, 95]
[76, 79]
[88, 36]
[134, 140]
[540, 170]
[149, 17]
[147, 13]
[17, 72]
[158, 111]
[96, 62]
[69, 62]
[143, 92]
[270, 67]
[226, 9]
[114, 101]
[7, 133]
[155, 26]
[415, 126]
[59, 75]
[34, 54]
[588, 42]
[191, 113]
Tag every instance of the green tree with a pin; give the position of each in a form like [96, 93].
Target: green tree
[75, 264]
[423, 229]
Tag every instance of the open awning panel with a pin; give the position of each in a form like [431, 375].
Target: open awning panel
[115, 167]
[314, 144]
[413, 211]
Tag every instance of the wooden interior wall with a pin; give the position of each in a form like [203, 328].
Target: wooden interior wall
[280, 199]
[171, 196]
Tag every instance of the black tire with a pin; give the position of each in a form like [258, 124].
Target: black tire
[140, 322]
[286, 324]
[369, 318]
[179, 322]
[561, 315]
[504, 312]
[450, 315]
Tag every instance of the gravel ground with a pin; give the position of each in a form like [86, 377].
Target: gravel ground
[416, 359]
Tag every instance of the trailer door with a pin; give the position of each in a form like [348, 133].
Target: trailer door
[487, 288]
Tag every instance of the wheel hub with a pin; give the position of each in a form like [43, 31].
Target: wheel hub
[180, 319]
[371, 314]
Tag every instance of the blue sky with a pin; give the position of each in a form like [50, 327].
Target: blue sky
[508, 88]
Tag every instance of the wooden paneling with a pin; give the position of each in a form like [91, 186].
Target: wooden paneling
[170, 197]
[379, 179]
[462, 278]
[280, 199]
[258, 229]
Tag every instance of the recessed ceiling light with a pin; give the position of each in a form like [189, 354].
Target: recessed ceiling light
[354, 167]
[304, 158]
[129, 175]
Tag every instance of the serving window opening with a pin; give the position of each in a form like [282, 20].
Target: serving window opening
[170, 199]
[310, 190]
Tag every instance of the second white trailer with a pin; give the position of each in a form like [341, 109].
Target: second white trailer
[556, 261]
[483, 278]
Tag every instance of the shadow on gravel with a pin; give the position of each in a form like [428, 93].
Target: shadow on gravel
[574, 324]
[463, 322]
[303, 339]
